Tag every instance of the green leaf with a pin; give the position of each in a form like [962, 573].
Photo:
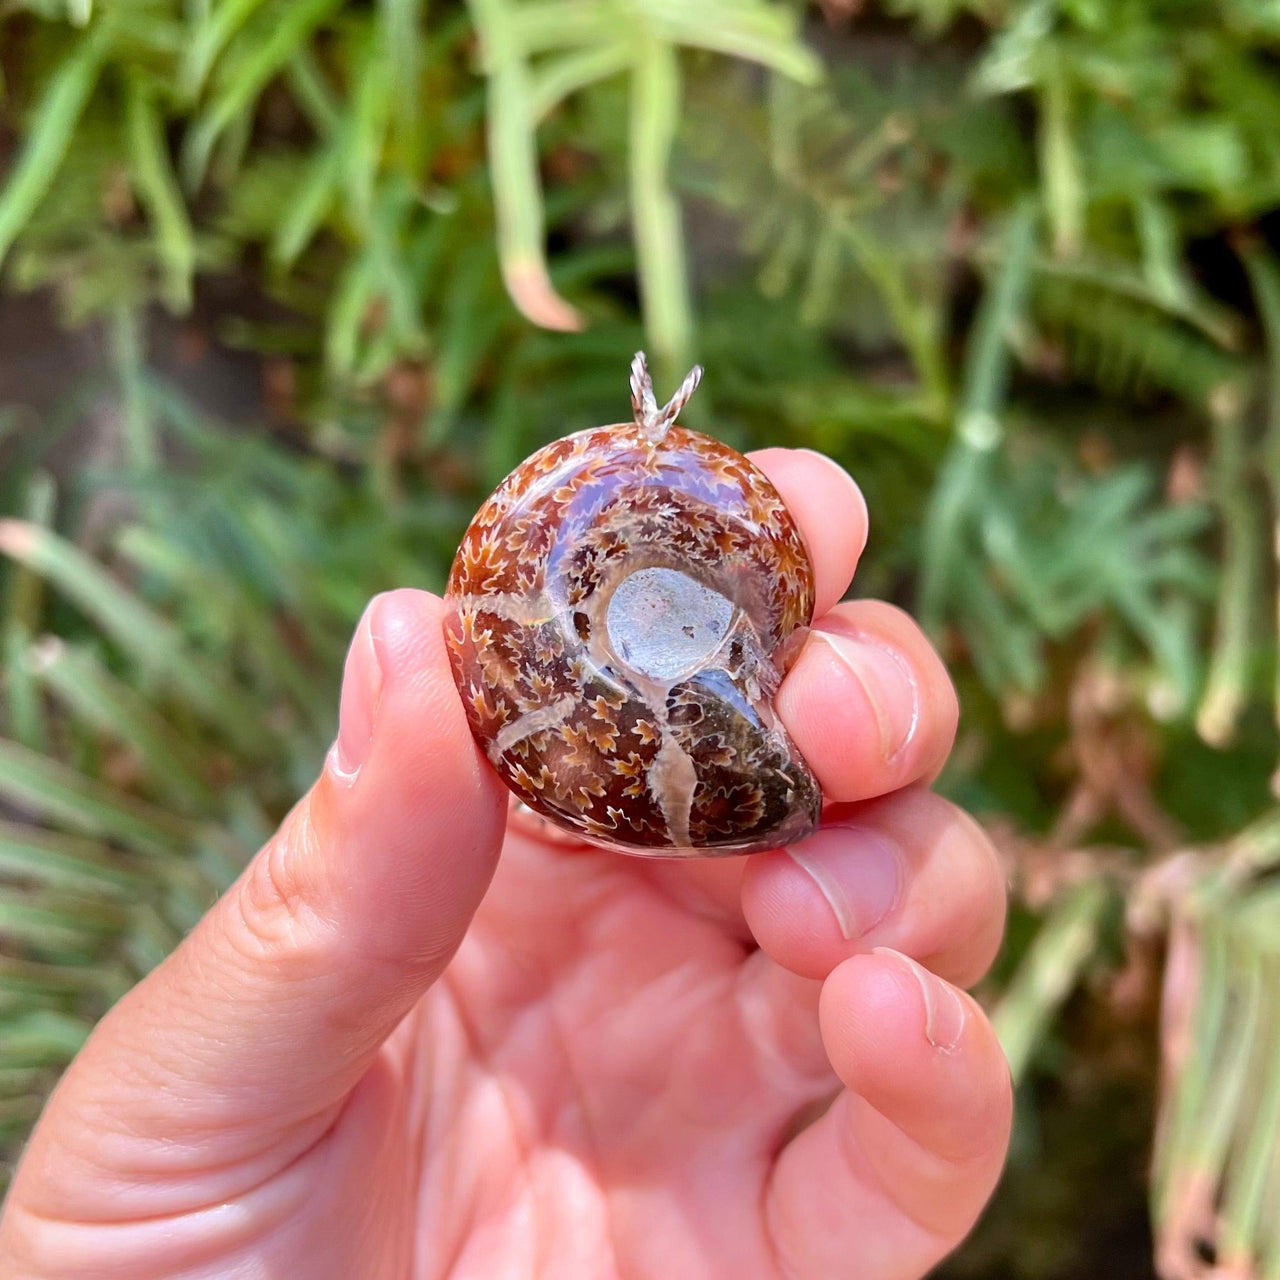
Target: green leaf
[513, 154]
[592, 40]
[52, 922]
[664, 287]
[212, 34]
[562, 75]
[108, 705]
[56, 793]
[42, 1038]
[401, 48]
[67, 862]
[27, 979]
[305, 214]
[1065, 944]
[247, 77]
[158, 186]
[962, 482]
[156, 644]
[24, 601]
[49, 136]
[365, 130]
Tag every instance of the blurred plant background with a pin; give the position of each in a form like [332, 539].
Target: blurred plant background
[289, 284]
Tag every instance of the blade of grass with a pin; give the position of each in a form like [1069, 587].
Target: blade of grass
[554, 24]
[1162, 266]
[401, 23]
[1049, 972]
[352, 300]
[67, 862]
[313, 93]
[471, 328]
[961, 482]
[30, 978]
[1243, 1206]
[1226, 689]
[42, 1038]
[664, 285]
[281, 666]
[564, 75]
[49, 135]
[764, 34]
[211, 36]
[157, 185]
[24, 600]
[310, 206]
[1209, 1142]
[56, 793]
[97, 698]
[246, 80]
[517, 191]
[366, 128]
[917, 318]
[154, 643]
[822, 277]
[56, 923]
[1064, 189]
[1203, 962]
[1264, 277]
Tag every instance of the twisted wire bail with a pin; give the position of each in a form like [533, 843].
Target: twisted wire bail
[643, 404]
[652, 420]
[672, 409]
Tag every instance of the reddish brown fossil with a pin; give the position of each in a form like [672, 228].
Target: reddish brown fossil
[619, 611]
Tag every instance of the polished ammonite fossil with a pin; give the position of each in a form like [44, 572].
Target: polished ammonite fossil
[621, 611]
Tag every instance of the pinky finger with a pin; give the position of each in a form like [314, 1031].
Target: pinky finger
[895, 1173]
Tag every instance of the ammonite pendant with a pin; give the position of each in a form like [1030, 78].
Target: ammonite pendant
[622, 609]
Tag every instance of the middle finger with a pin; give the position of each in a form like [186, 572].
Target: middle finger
[868, 702]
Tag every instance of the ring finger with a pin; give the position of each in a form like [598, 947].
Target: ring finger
[910, 871]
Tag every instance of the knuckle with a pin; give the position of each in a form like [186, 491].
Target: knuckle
[279, 901]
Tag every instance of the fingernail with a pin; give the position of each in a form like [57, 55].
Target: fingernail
[361, 690]
[945, 1014]
[887, 680]
[857, 870]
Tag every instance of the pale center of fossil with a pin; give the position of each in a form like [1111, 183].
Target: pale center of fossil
[663, 623]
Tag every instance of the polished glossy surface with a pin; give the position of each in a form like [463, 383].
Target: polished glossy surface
[619, 612]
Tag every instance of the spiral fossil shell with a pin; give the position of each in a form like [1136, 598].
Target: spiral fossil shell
[619, 612]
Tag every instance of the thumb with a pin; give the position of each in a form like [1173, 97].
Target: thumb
[254, 1031]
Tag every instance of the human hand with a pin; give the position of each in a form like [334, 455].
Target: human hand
[368, 1061]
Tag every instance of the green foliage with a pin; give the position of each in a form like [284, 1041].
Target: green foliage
[572, 46]
[152, 752]
[1013, 263]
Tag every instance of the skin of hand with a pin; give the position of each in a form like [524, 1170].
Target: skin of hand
[389, 1052]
